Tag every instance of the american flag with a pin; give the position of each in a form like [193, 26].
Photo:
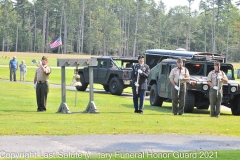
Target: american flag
[56, 43]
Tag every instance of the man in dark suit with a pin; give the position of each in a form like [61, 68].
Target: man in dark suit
[139, 86]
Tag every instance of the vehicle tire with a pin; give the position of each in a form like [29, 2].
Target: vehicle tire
[84, 85]
[155, 100]
[106, 88]
[189, 102]
[116, 86]
[235, 105]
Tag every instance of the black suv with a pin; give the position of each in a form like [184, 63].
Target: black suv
[114, 73]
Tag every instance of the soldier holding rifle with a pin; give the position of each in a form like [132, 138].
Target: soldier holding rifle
[178, 77]
[41, 84]
[215, 80]
[139, 78]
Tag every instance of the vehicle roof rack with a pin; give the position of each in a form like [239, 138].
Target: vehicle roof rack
[189, 55]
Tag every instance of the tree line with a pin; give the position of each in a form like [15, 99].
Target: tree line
[119, 27]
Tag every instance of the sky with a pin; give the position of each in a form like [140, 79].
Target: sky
[172, 3]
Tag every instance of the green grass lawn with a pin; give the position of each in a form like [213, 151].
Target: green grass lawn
[19, 116]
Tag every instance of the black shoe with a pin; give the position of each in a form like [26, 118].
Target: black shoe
[174, 114]
[180, 114]
[140, 112]
[136, 111]
[41, 110]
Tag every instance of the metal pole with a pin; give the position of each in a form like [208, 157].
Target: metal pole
[91, 82]
[63, 85]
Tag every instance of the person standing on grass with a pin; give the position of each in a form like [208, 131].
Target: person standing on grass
[23, 71]
[139, 78]
[13, 67]
[215, 80]
[178, 77]
[41, 84]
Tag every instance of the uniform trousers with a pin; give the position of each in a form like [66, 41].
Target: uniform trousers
[141, 96]
[178, 99]
[215, 101]
[41, 93]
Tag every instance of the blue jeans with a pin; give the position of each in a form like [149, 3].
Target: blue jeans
[141, 95]
[13, 72]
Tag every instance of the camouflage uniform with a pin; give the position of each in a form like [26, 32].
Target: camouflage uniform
[142, 85]
[215, 100]
[174, 74]
[42, 87]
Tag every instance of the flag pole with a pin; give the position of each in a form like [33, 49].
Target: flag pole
[61, 50]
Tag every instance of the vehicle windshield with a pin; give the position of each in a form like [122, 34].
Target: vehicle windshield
[227, 69]
[195, 69]
[198, 69]
[127, 64]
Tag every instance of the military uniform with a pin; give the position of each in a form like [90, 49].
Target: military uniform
[42, 86]
[142, 85]
[174, 75]
[215, 100]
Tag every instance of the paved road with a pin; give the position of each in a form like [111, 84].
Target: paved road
[115, 144]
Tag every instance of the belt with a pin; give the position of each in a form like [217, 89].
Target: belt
[41, 81]
[180, 83]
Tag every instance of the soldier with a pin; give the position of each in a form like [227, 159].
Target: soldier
[139, 83]
[215, 80]
[178, 75]
[41, 84]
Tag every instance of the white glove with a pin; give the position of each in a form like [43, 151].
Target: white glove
[140, 71]
[180, 77]
[136, 84]
[35, 85]
[219, 77]
[215, 87]
[40, 63]
[176, 87]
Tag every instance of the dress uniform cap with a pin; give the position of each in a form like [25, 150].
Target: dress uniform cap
[141, 56]
[216, 63]
[44, 58]
[179, 60]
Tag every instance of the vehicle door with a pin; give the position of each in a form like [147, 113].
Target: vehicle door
[162, 80]
[102, 70]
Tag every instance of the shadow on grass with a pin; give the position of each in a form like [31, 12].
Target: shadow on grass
[22, 111]
[168, 109]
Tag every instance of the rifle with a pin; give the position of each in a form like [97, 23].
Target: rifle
[218, 86]
[218, 79]
[138, 78]
[179, 83]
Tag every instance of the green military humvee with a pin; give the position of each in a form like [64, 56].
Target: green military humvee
[197, 95]
[114, 73]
